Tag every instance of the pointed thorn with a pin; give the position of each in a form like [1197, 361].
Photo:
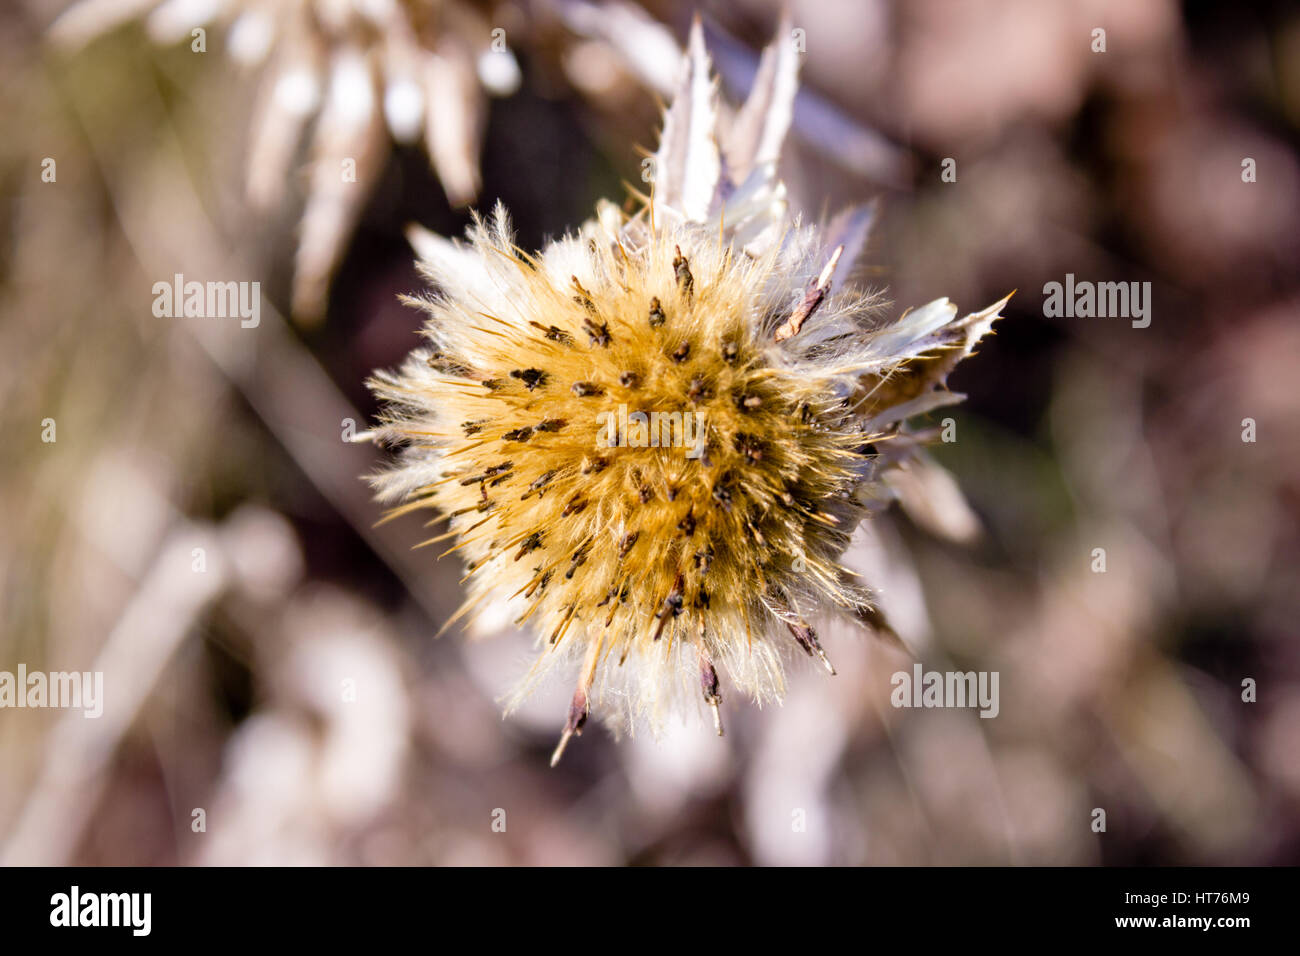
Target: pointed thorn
[824, 280]
[807, 639]
[559, 749]
[813, 297]
[709, 683]
[573, 725]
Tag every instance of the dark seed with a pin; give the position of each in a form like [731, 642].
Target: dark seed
[722, 495]
[502, 469]
[554, 333]
[671, 607]
[682, 269]
[540, 482]
[709, 683]
[531, 377]
[625, 545]
[583, 298]
[441, 363]
[529, 544]
[579, 558]
[599, 334]
[674, 603]
[750, 447]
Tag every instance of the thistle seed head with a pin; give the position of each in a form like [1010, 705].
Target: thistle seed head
[655, 437]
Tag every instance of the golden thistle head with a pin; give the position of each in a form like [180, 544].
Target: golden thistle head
[654, 438]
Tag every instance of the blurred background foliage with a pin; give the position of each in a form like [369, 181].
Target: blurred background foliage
[1120, 690]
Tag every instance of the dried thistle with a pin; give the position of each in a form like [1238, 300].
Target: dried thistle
[699, 560]
[360, 74]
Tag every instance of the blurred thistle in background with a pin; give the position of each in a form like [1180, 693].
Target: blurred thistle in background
[357, 72]
[195, 529]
